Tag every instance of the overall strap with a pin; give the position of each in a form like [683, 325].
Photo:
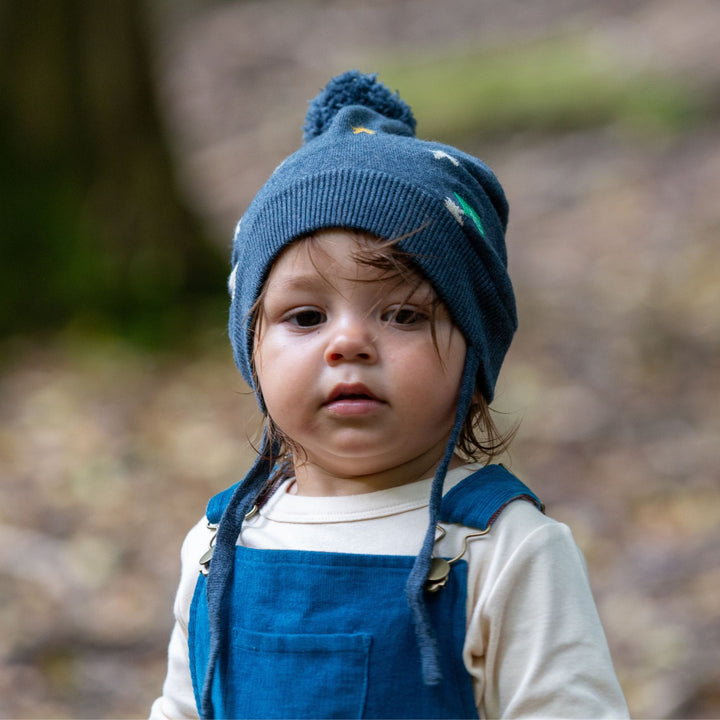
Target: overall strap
[217, 504]
[234, 504]
[477, 500]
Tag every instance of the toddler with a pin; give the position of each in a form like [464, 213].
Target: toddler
[373, 562]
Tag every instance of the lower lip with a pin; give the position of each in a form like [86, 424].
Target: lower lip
[354, 408]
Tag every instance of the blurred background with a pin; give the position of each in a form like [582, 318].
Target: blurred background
[132, 137]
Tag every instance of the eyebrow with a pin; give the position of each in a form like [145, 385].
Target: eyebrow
[309, 281]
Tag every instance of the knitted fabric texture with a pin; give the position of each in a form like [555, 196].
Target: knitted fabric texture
[362, 168]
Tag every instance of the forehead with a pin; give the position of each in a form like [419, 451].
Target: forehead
[333, 255]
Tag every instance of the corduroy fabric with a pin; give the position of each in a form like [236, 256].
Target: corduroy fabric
[318, 635]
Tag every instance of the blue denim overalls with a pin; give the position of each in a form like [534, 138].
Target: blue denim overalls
[321, 635]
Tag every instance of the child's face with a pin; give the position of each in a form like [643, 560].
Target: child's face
[349, 369]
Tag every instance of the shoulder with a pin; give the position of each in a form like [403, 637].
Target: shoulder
[523, 530]
[520, 527]
[526, 558]
[515, 529]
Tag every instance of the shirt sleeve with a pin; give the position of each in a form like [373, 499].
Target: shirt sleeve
[178, 699]
[535, 644]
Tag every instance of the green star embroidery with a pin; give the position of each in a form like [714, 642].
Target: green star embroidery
[470, 212]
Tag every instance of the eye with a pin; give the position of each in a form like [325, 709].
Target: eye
[404, 315]
[306, 317]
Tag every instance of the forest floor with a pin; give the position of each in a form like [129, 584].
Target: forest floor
[108, 453]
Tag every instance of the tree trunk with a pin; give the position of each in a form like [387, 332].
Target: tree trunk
[94, 227]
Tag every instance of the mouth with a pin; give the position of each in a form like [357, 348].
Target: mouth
[354, 391]
[352, 399]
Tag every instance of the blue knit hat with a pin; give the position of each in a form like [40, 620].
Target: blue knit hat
[362, 168]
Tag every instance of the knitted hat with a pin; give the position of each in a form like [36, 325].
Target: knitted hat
[362, 168]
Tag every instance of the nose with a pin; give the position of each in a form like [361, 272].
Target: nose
[351, 341]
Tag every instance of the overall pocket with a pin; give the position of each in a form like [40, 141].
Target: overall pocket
[297, 676]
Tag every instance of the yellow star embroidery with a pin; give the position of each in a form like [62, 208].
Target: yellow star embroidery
[358, 130]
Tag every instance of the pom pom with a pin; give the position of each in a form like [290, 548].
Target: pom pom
[354, 88]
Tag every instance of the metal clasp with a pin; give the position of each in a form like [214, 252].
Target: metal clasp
[440, 568]
[207, 555]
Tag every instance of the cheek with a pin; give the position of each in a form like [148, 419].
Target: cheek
[422, 371]
[269, 354]
[283, 376]
[440, 375]
[267, 372]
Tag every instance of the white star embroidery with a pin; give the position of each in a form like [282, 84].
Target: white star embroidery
[455, 210]
[231, 281]
[440, 154]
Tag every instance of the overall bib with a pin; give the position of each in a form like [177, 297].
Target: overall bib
[321, 635]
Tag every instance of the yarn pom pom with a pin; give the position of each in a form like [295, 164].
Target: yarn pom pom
[354, 88]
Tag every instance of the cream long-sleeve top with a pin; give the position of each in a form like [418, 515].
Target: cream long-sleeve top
[534, 644]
